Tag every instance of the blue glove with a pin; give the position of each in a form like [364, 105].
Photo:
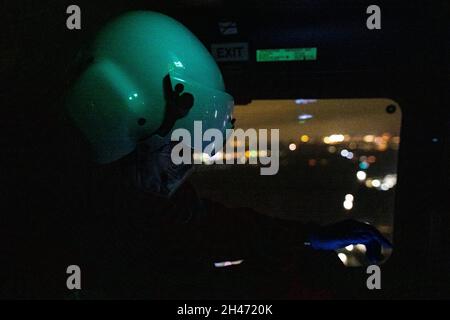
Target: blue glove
[344, 233]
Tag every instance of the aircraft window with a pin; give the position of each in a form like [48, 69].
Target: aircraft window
[337, 160]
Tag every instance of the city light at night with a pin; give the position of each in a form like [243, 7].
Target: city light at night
[320, 157]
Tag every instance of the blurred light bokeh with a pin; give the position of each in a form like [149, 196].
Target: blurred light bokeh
[338, 160]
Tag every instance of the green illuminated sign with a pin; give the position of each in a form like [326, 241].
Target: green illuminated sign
[294, 54]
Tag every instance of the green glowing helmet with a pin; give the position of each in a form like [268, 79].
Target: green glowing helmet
[119, 99]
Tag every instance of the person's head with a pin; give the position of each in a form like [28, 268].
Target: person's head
[148, 76]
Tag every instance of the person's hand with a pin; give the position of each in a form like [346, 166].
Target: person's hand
[342, 234]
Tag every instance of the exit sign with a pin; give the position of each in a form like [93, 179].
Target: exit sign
[233, 51]
[293, 54]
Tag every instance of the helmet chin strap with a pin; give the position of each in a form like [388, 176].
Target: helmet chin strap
[178, 105]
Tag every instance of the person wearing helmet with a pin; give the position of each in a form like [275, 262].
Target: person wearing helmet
[147, 76]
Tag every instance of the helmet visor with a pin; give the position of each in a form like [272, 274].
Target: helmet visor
[212, 109]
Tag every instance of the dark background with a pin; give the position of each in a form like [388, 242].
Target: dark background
[406, 61]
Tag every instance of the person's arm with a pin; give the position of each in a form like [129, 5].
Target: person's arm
[213, 231]
[243, 232]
